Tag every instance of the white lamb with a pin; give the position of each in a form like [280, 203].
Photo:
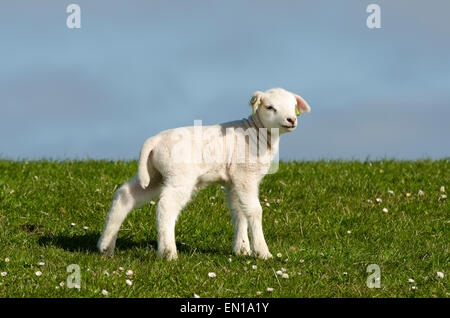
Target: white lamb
[175, 162]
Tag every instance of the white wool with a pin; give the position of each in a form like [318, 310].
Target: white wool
[189, 158]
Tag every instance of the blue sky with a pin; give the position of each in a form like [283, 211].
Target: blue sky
[138, 67]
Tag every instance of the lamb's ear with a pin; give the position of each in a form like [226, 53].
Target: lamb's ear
[302, 105]
[255, 101]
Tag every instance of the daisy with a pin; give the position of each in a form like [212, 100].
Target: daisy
[129, 282]
[442, 189]
[421, 193]
[196, 296]
[212, 274]
[385, 210]
[270, 289]
[104, 292]
[279, 255]
[4, 274]
[130, 272]
[7, 260]
[410, 280]
[440, 274]
[379, 200]
[286, 276]
[41, 264]
[279, 273]
[38, 273]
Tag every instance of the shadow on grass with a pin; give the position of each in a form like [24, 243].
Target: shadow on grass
[88, 243]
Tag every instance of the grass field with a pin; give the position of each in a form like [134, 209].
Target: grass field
[324, 227]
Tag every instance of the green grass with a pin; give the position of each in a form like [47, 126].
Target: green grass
[320, 202]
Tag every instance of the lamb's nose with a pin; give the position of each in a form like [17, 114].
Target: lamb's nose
[291, 120]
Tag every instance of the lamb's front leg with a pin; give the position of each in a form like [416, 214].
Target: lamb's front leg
[259, 245]
[241, 243]
[244, 197]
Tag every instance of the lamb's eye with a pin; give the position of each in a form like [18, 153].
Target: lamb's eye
[271, 108]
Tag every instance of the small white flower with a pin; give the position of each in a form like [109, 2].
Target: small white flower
[41, 264]
[254, 266]
[85, 227]
[348, 232]
[72, 224]
[7, 260]
[11, 192]
[442, 189]
[413, 287]
[408, 194]
[345, 273]
[410, 280]
[129, 282]
[283, 269]
[106, 273]
[279, 255]
[4, 274]
[370, 201]
[104, 292]
[129, 272]
[212, 274]
[286, 276]
[270, 289]
[379, 200]
[267, 204]
[229, 259]
[38, 273]
[385, 210]
[61, 284]
[121, 268]
[152, 202]
[279, 272]
[443, 196]
[440, 274]
[258, 293]
[390, 191]
[421, 193]
[302, 261]
[56, 287]
[196, 296]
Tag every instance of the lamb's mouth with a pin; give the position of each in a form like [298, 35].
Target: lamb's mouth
[289, 127]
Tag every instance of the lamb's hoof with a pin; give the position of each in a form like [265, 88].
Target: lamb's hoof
[243, 251]
[263, 255]
[107, 251]
[169, 255]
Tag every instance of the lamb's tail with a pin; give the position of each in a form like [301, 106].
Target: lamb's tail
[143, 174]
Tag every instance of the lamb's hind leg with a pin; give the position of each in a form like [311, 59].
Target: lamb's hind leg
[173, 198]
[127, 197]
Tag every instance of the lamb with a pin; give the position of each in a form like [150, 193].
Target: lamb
[236, 155]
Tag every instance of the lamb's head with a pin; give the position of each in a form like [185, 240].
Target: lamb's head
[278, 108]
